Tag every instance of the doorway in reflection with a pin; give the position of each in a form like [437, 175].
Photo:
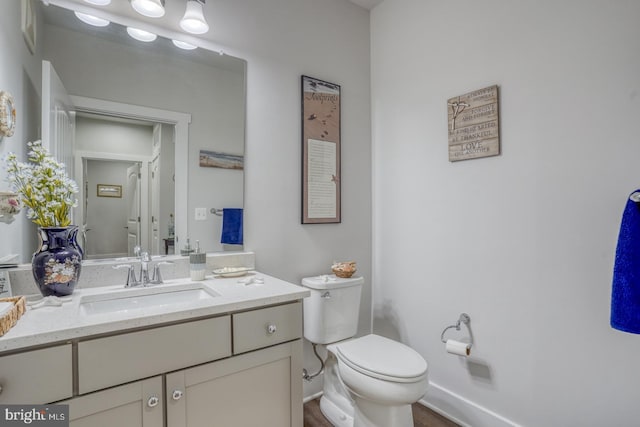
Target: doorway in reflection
[127, 172]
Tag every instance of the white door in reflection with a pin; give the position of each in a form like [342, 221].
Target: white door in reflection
[132, 192]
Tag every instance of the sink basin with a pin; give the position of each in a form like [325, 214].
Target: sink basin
[139, 299]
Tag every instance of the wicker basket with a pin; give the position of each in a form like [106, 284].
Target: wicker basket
[344, 269]
[343, 274]
[11, 317]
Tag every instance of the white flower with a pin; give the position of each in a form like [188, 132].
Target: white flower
[44, 186]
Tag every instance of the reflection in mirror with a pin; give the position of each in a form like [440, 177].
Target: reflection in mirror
[136, 159]
[105, 64]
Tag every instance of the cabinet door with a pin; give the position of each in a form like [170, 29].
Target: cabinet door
[37, 376]
[138, 404]
[261, 388]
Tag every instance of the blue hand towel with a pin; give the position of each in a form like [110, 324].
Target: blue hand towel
[625, 295]
[231, 226]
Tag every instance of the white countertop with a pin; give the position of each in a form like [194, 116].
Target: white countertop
[70, 321]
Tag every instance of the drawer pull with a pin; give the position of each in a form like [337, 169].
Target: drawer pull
[177, 394]
[271, 329]
[0, 388]
[153, 401]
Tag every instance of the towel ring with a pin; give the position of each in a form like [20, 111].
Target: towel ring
[464, 318]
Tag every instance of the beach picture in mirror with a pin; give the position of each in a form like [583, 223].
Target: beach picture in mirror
[214, 159]
[320, 151]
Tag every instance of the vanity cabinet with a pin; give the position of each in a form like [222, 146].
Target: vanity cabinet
[36, 376]
[239, 369]
[260, 388]
[138, 404]
[109, 361]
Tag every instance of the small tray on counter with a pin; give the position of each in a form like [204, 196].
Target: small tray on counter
[231, 271]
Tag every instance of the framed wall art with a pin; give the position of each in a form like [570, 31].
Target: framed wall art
[214, 159]
[108, 190]
[320, 151]
[474, 130]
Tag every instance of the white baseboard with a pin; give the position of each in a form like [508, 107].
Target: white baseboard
[462, 411]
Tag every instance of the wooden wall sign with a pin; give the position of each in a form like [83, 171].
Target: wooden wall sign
[474, 130]
[320, 151]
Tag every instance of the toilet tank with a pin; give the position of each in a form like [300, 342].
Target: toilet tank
[331, 311]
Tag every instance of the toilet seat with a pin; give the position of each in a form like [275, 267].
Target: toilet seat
[382, 358]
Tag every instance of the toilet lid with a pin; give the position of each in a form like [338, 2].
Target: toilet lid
[380, 357]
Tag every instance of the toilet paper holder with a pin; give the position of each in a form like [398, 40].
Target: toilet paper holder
[464, 318]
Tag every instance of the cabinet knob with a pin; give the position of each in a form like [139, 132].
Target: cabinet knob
[153, 401]
[177, 394]
[271, 329]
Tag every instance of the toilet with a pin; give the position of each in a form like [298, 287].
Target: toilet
[370, 381]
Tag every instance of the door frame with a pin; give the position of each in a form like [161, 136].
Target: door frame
[144, 196]
[180, 121]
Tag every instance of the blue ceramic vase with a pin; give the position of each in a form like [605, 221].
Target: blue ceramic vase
[57, 263]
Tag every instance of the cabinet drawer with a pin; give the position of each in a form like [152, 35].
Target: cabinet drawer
[105, 362]
[36, 377]
[267, 326]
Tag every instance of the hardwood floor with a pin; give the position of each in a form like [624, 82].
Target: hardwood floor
[422, 416]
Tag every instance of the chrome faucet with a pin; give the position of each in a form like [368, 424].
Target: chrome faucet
[145, 259]
[145, 280]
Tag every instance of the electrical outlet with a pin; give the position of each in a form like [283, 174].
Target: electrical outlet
[201, 214]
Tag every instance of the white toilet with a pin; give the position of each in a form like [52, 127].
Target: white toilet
[369, 381]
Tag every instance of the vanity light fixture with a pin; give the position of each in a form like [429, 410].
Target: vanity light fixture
[193, 20]
[141, 35]
[99, 2]
[184, 45]
[150, 8]
[91, 20]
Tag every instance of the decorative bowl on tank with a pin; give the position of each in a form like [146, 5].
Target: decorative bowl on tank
[344, 269]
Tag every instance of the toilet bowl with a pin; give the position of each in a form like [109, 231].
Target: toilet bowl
[383, 377]
[370, 381]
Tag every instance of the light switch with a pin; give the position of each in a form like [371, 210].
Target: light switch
[201, 214]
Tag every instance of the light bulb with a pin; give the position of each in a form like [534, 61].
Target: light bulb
[193, 20]
[99, 2]
[184, 45]
[91, 20]
[141, 35]
[150, 8]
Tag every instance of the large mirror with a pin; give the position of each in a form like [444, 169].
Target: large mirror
[145, 114]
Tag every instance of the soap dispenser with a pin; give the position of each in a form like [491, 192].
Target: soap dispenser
[187, 249]
[197, 263]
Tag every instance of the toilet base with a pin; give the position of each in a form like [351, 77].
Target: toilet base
[371, 414]
[335, 415]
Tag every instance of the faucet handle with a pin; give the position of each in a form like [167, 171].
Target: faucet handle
[157, 277]
[131, 275]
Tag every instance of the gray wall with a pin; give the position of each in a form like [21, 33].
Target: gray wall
[524, 242]
[107, 216]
